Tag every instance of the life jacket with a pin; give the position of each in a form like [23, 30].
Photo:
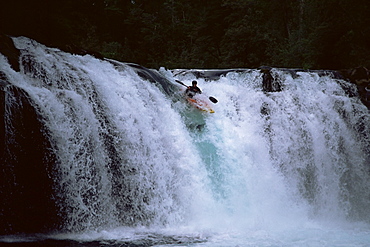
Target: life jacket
[191, 91]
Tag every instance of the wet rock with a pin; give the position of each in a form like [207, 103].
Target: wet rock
[8, 49]
[360, 76]
[269, 82]
[26, 165]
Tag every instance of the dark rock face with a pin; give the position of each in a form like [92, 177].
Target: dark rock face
[361, 77]
[26, 165]
[8, 49]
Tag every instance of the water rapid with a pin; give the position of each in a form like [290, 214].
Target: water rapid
[99, 150]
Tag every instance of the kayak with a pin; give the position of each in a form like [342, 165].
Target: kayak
[201, 103]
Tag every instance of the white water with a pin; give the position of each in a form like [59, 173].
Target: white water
[287, 168]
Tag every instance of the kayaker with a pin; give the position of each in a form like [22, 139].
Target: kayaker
[193, 90]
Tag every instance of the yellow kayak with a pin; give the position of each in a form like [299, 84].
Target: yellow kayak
[201, 104]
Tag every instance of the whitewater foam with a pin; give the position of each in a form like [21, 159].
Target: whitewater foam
[135, 163]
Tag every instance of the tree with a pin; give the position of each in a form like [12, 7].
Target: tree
[329, 34]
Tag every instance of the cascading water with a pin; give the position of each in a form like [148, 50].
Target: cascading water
[118, 162]
[123, 157]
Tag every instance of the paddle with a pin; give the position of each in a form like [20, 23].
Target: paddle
[214, 100]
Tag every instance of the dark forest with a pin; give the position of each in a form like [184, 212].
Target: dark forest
[309, 34]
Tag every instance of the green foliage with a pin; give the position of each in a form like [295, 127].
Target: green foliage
[327, 34]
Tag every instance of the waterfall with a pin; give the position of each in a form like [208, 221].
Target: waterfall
[307, 144]
[94, 144]
[118, 160]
